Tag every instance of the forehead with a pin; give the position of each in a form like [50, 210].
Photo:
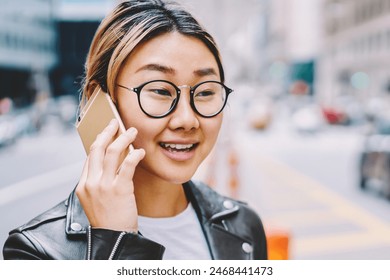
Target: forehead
[173, 50]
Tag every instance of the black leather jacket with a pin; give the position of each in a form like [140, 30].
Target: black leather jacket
[232, 230]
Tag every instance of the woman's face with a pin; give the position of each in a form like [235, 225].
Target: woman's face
[182, 60]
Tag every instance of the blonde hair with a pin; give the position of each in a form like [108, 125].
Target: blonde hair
[129, 24]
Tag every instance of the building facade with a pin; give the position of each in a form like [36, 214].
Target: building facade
[27, 48]
[355, 56]
[77, 21]
[292, 40]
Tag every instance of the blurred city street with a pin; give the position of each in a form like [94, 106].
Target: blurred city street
[306, 137]
[303, 185]
[309, 185]
[306, 186]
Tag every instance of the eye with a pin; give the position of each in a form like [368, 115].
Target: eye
[205, 93]
[162, 92]
[159, 90]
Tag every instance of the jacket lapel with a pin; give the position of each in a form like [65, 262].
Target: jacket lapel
[76, 220]
[214, 213]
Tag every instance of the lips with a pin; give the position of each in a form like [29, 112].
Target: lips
[173, 147]
[177, 147]
[178, 151]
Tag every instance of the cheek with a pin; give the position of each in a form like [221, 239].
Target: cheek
[132, 116]
[147, 130]
[212, 128]
[131, 113]
[146, 135]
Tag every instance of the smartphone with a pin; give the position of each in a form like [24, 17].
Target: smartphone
[95, 116]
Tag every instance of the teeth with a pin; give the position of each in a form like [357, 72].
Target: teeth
[177, 146]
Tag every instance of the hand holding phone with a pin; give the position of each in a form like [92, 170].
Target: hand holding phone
[106, 185]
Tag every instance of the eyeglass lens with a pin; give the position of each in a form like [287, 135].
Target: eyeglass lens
[158, 97]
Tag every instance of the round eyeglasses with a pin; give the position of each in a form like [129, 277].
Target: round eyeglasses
[159, 98]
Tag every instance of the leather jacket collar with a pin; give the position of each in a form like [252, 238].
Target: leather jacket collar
[214, 213]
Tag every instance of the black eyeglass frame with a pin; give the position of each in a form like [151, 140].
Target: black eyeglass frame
[138, 90]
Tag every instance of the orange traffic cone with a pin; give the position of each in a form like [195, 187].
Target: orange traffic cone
[278, 244]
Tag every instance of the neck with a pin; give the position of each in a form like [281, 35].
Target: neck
[157, 198]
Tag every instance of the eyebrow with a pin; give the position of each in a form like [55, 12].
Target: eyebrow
[205, 72]
[157, 67]
[169, 70]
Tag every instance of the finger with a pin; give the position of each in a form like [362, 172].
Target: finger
[129, 164]
[84, 173]
[83, 177]
[116, 152]
[98, 148]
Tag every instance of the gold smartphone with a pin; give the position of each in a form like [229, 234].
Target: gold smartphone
[95, 116]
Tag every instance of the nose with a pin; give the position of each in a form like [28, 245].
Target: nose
[184, 116]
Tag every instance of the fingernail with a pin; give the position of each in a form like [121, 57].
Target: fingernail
[140, 152]
[112, 121]
[132, 130]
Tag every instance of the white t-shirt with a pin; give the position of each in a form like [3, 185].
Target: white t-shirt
[182, 235]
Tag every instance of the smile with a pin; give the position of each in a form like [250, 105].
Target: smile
[177, 147]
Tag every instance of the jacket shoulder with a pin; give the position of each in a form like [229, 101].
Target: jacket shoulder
[214, 198]
[225, 204]
[239, 218]
[53, 214]
[37, 238]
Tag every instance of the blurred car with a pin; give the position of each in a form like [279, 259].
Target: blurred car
[61, 109]
[344, 110]
[375, 165]
[308, 119]
[7, 135]
[334, 115]
[14, 125]
[260, 114]
[67, 106]
[378, 114]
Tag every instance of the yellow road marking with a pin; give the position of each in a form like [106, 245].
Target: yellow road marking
[319, 193]
[371, 230]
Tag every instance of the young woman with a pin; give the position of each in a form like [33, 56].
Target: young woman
[164, 73]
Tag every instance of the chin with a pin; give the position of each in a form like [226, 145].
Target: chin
[169, 171]
[178, 174]
[172, 174]
[178, 180]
